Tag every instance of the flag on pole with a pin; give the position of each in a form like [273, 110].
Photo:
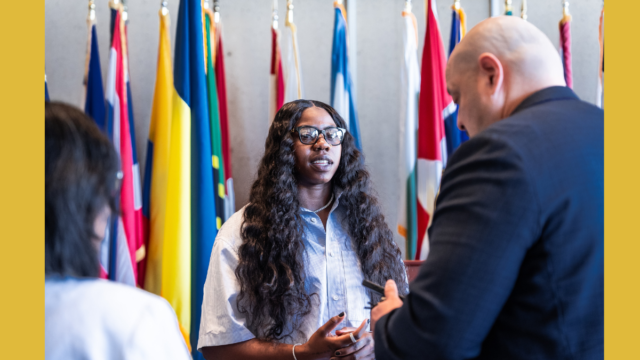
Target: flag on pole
[190, 214]
[157, 164]
[125, 229]
[409, 95]
[214, 116]
[46, 89]
[277, 76]
[292, 76]
[600, 94]
[341, 93]
[455, 137]
[565, 44]
[118, 8]
[94, 104]
[224, 120]
[434, 106]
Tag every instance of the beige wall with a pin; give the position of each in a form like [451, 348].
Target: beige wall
[378, 49]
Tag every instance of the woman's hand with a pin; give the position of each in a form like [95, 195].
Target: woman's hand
[323, 344]
[363, 348]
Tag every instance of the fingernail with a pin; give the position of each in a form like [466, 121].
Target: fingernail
[337, 353]
[341, 314]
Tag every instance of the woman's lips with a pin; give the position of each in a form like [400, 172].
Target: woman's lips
[322, 165]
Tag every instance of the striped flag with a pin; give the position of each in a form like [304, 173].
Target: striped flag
[565, 44]
[190, 227]
[292, 77]
[214, 116]
[224, 122]
[341, 91]
[435, 105]
[94, 104]
[126, 230]
[46, 89]
[455, 137]
[157, 164]
[409, 95]
[118, 8]
[277, 76]
[600, 94]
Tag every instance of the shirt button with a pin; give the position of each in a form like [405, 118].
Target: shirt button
[335, 297]
[313, 220]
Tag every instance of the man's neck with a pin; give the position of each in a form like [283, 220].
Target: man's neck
[314, 197]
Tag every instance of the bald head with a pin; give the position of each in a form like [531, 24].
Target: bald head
[500, 62]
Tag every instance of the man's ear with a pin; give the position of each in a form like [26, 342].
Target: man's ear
[491, 70]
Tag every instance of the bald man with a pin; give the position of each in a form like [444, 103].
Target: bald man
[515, 269]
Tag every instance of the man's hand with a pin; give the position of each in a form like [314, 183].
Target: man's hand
[392, 301]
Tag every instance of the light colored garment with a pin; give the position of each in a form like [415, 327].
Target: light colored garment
[102, 320]
[332, 271]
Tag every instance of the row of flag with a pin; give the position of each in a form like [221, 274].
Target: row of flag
[162, 238]
[428, 128]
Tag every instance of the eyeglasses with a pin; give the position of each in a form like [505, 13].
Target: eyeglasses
[309, 135]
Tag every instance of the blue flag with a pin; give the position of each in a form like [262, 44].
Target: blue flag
[454, 136]
[341, 86]
[190, 83]
[94, 104]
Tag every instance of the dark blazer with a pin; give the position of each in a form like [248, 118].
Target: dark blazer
[515, 269]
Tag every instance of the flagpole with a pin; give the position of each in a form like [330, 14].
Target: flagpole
[523, 10]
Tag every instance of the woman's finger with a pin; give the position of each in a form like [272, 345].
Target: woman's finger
[331, 324]
[366, 340]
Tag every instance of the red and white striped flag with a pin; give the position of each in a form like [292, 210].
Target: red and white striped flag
[129, 227]
[435, 104]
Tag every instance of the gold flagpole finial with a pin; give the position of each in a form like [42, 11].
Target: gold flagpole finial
[164, 7]
[508, 8]
[289, 19]
[274, 14]
[216, 11]
[125, 11]
[565, 8]
[407, 5]
[456, 4]
[523, 10]
[92, 10]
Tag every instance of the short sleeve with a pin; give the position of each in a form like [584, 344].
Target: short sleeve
[157, 334]
[221, 322]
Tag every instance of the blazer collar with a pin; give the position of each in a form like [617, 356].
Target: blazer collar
[552, 93]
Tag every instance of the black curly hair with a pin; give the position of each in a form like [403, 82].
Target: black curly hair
[271, 269]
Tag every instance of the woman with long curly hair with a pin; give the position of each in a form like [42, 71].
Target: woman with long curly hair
[287, 269]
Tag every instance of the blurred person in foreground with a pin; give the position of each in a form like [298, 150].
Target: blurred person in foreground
[87, 317]
[285, 273]
[515, 269]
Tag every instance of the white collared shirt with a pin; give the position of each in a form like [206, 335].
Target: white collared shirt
[332, 268]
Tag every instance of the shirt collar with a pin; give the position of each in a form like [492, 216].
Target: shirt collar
[337, 192]
[551, 93]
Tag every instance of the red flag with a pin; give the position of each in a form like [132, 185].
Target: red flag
[435, 104]
[224, 126]
[565, 46]
[277, 77]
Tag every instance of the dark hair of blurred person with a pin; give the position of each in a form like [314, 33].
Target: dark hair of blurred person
[81, 168]
[87, 317]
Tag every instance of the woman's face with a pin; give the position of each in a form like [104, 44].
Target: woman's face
[100, 225]
[316, 164]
